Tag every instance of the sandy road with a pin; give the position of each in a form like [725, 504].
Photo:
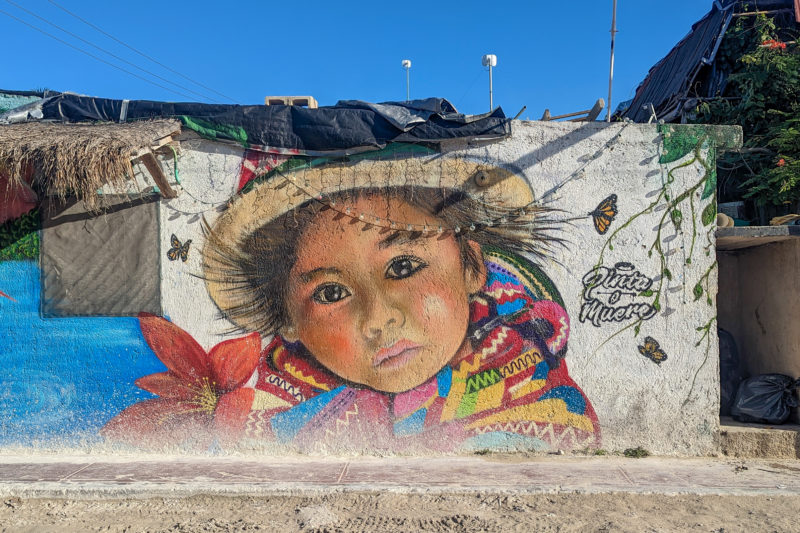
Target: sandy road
[396, 494]
[393, 512]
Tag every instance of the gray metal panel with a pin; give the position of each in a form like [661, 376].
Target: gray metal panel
[100, 265]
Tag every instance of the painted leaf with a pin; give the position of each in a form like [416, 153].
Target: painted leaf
[19, 238]
[709, 213]
[711, 184]
[697, 291]
[216, 130]
[648, 292]
[677, 217]
[668, 274]
[677, 143]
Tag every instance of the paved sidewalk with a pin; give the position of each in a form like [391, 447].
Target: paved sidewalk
[110, 477]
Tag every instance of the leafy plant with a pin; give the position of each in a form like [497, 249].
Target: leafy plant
[637, 452]
[762, 94]
[19, 238]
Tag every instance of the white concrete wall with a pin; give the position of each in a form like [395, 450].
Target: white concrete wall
[671, 407]
[642, 348]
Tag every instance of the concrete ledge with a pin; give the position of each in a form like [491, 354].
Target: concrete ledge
[740, 237]
[760, 441]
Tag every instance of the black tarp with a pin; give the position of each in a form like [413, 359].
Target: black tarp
[673, 81]
[348, 127]
[670, 79]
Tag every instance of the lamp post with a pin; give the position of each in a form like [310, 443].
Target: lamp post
[407, 65]
[490, 60]
[611, 66]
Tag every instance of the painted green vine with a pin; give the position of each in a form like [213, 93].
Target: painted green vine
[677, 143]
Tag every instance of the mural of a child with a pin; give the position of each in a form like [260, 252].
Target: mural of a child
[405, 313]
[402, 311]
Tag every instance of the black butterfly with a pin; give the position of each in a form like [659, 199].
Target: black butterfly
[178, 249]
[652, 351]
[604, 214]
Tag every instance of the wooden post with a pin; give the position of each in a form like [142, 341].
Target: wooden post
[154, 168]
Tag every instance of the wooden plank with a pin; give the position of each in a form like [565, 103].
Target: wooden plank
[596, 109]
[586, 115]
[154, 168]
[163, 141]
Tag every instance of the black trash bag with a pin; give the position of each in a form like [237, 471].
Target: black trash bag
[730, 371]
[766, 399]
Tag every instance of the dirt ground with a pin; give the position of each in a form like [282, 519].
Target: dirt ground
[391, 512]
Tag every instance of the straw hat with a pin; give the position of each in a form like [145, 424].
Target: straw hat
[283, 191]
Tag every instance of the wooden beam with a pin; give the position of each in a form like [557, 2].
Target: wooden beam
[154, 168]
[159, 143]
[586, 115]
[596, 109]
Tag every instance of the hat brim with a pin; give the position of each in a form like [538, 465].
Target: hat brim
[285, 191]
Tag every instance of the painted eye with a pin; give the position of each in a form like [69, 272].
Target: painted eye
[330, 293]
[404, 266]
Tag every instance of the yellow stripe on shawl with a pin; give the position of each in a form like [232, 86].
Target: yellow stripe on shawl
[526, 387]
[552, 410]
[490, 397]
[295, 372]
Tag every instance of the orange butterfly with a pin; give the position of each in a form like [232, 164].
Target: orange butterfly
[178, 249]
[604, 214]
[652, 350]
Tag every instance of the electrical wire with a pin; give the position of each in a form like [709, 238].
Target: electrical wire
[111, 54]
[62, 41]
[141, 53]
[471, 85]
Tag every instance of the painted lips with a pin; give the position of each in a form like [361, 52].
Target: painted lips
[396, 355]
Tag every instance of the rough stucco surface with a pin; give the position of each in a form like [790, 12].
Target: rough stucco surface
[653, 382]
[667, 408]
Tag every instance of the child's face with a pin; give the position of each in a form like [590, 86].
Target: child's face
[386, 314]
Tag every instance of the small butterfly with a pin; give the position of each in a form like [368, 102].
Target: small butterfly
[178, 249]
[653, 351]
[604, 214]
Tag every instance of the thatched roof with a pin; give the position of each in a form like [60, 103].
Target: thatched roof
[77, 159]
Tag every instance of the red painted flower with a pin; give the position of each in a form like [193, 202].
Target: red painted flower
[201, 395]
[781, 162]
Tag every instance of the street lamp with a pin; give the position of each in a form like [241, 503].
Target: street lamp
[407, 65]
[490, 60]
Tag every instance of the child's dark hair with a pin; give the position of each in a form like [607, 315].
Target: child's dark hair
[257, 269]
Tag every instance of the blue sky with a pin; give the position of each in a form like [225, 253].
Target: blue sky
[550, 54]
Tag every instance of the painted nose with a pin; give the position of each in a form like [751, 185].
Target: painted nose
[382, 314]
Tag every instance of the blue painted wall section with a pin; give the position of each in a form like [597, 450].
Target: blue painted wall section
[63, 379]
